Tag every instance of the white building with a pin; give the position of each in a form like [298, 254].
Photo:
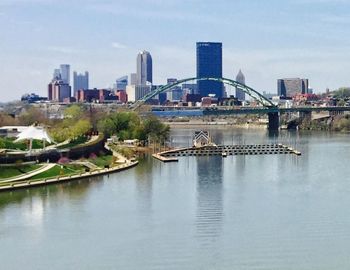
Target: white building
[136, 92]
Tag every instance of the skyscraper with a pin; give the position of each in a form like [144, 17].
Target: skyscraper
[58, 91]
[292, 86]
[144, 68]
[133, 79]
[81, 81]
[209, 64]
[175, 93]
[65, 73]
[121, 83]
[240, 79]
[56, 74]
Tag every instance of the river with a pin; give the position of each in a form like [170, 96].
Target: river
[239, 212]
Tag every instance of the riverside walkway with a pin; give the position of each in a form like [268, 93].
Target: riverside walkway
[61, 179]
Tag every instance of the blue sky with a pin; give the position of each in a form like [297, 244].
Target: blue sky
[267, 39]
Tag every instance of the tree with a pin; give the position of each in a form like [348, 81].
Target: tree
[7, 120]
[31, 116]
[80, 128]
[155, 129]
[74, 112]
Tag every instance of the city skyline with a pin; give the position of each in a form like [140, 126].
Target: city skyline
[304, 38]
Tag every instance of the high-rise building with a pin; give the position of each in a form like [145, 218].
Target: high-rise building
[136, 92]
[121, 83]
[189, 88]
[56, 74]
[240, 95]
[289, 87]
[175, 93]
[144, 68]
[133, 79]
[58, 90]
[209, 64]
[81, 81]
[65, 73]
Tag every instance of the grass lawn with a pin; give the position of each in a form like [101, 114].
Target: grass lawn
[7, 172]
[58, 171]
[102, 161]
[80, 140]
[22, 145]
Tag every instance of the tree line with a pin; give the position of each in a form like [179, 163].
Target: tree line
[78, 121]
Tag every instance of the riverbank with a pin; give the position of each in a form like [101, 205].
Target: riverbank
[58, 179]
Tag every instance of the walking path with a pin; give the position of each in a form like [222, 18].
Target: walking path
[25, 176]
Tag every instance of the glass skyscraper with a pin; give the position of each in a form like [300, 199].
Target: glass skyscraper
[209, 64]
[80, 81]
[144, 68]
[240, 79]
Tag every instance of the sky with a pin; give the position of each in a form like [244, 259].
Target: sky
[267, 39]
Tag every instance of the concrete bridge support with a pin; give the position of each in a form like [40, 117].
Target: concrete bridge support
[274, 120]
[305, 116]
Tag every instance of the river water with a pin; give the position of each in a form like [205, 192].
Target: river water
[239, 212]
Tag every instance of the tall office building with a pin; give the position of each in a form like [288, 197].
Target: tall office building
[65, 73]
[121, 83]
[56, 74]
[289, 87]
[175, 93]
[133, 79]
[209, 64]
[80, 81]
[58, 90]
[240, 79]
[144, 68]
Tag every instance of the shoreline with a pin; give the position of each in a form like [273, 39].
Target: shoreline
[63, 179]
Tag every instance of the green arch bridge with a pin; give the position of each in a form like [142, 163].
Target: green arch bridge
[255, 95]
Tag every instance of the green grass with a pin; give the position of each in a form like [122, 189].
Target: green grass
[7, 172]
[58, 171]
[9, 143]
[102, 161]
[75, 142]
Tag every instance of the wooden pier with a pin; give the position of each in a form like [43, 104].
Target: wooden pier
[226, 150]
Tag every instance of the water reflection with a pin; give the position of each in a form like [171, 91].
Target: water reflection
[209, 197]
[75, 190]
[144, 183]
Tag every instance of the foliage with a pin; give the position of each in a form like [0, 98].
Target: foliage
[73, 126]
[122, 124]
[31, 116]
[128, 125]
[73, 112]
[342, 124]
[155, 129]
[7, 120]
[343, 92]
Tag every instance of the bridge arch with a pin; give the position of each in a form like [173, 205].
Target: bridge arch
[246, 89]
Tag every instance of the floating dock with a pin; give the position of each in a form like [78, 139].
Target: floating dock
[226, 150]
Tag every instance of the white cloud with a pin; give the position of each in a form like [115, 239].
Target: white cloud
[117, 45]
[64, 50]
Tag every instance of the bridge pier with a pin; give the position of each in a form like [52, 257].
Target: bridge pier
[305, 115]
[274, 120]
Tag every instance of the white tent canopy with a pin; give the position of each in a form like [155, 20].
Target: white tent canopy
[34, 133]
